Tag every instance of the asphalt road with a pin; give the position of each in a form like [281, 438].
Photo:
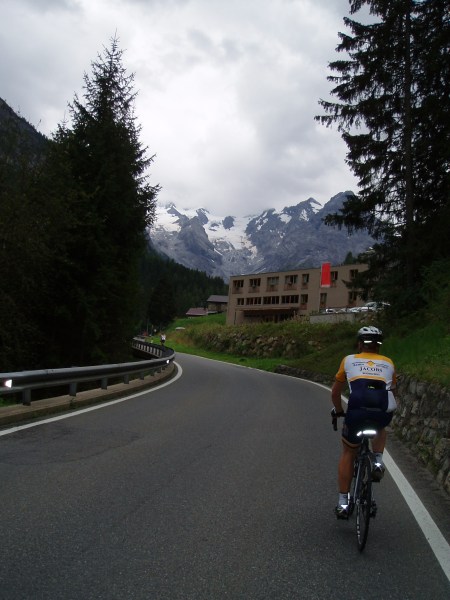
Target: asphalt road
[219, 485]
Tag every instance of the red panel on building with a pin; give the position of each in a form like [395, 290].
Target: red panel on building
[325, 276]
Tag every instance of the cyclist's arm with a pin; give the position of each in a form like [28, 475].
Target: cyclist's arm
[336, 393]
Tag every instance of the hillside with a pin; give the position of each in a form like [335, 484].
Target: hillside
[14, 129]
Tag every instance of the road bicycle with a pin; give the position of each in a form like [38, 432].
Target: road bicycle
[361, 496]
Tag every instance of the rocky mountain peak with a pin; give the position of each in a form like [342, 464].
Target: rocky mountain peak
[294, 237]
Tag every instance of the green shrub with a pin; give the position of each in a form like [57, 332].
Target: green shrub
[419, 351]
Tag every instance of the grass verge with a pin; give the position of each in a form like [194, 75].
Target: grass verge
[422, 353]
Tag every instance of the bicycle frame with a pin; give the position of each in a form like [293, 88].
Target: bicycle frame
[361, 488]
[360, 496]
[363, 451]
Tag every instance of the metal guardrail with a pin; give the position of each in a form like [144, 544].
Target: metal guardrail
[24, 382]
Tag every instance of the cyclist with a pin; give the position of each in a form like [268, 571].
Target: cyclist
[371, 379]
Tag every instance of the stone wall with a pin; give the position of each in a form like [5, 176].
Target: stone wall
[247, 344]
[422, 421]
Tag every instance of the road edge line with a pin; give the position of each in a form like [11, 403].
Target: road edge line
[437, 542]
[105, 404]
[431, 531]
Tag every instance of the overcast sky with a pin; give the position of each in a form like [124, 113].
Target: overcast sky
[227, 90]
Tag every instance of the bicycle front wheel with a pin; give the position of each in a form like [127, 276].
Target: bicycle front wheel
[363, 502]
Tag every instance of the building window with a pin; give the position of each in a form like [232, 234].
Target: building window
[272, 283]
[352, 298]
[304, 301]
[305, 280]
[255, 283]
[238, 285]
[240, 301]
[334, 278]
[353, 273]
[271, 300]
[323, 300]
[290, 280]
[289, 299]
[253, 301]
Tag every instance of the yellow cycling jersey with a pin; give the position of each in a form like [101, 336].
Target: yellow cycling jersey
[367, 365]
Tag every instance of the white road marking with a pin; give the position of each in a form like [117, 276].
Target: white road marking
[95, 407]
[434, 537]
[429, 528]
[437, 542]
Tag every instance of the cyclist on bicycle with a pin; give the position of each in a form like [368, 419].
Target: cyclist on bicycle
[371, 379]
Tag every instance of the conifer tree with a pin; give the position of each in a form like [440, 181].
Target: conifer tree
[392, 87]
[112, 202]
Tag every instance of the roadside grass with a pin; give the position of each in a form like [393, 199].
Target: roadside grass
[181, 341]
[422, 353]
[325, 346]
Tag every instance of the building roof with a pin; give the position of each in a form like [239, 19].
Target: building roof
[218, 299]
[197, 312]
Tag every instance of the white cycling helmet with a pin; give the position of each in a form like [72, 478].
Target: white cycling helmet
[370, 335]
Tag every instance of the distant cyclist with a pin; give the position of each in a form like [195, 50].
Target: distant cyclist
[371, 380]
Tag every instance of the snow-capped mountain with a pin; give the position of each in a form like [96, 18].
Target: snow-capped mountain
[295, 237]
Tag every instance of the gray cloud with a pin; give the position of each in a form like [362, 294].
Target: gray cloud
[227, 90]
[43, 6]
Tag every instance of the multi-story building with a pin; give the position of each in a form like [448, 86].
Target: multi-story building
[283, 295]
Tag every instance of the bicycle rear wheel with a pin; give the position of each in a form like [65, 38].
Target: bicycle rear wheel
[351, 501]
[363, 502]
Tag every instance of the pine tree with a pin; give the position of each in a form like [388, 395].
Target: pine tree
[393, 115]
[112, 203]
[432, 128]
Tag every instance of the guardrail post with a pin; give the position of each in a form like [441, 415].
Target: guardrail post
[104, 383]
[26, 397]
[73, 388]
[126, 378]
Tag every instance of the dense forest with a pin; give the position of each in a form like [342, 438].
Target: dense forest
[78, 279]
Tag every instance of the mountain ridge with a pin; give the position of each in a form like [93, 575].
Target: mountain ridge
[294, 237]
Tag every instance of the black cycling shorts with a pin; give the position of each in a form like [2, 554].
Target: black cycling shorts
[358, 418]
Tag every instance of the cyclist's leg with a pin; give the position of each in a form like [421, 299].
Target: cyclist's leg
[354, 418]
[379, 441]
[345, 468]
[350, 445]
